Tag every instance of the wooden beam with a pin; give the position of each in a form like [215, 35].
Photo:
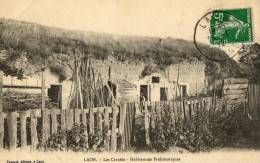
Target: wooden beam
[43, 90]
[235, 86]
[235, 81]
[12, 130]
[1, 91]
[113, 135]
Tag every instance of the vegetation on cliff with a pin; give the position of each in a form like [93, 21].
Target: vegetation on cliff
[51, 47]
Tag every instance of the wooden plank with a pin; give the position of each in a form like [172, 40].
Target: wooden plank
[235, 81]
[196, 106]
[235, 96]
[1, 91]
[33, 125]
[128, 128]
[179, 110]
[23, 130]
[43, 90]
[207, 107]
[186, 110]
[84, 118]
[199, 105]
[113, 134]
[100, 121]
[175, 110]
[211, 106]
[171, 105]
[147, 124]
[69, 118]
[192, 104]
[91, 122]
[12, 130]
[131, 112]
[234, 91]
[126, 124]
[45, 125]
[27, 113]
[122, 124]
[106, 125]
[63, 120]
[233, 101]
[153, 115]
[235, 86]
[77, 113]
[2, 130]
[204, 104]
[182, 109]
[53, 122]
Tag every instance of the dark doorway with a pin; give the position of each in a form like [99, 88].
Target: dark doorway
[184, 91]
[144, 92]
[55, 94]
[163, 94]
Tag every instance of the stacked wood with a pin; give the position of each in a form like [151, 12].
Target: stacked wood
[86, 84]
[235, 90]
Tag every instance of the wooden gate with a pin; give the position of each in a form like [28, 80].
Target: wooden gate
[254, 100]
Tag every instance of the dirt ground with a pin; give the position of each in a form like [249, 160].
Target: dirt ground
[221, 155]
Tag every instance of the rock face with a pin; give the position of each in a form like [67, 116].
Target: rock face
[191, 74]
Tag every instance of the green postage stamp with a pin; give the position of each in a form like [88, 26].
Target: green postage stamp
[231, 26]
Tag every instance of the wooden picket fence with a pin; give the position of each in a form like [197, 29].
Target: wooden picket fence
[180, 110]
[118, 120]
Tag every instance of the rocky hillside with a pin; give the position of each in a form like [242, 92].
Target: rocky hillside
[250, 62]
[26, 47]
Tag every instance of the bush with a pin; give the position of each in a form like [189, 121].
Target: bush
[74, 139]
[203, 131]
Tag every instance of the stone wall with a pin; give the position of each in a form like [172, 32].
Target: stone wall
[190, 74]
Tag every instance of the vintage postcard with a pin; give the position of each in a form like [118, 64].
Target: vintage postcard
[129, 81]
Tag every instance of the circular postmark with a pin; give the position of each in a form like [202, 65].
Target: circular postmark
[227, 30]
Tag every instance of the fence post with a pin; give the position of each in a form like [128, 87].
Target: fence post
[186, 110]
[1, 113]
[69, 118]
[100, 120]
[113, 135]
[107, 139]
[53, 122]
[192, 103]
[152, 106]
[43, 89]
[210, 107]
[12, 130]
[77, 116]
[63, 119]
[171, 105]
[122, 124]
[33, 126]
[1, 91]
[182, 108]
[2, 131]
[84, 118]
[199, 105]
[23, 130]
[91, 121]
[45, 125]
[146, 125]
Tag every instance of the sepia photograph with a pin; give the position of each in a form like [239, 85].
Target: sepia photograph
[129, 81]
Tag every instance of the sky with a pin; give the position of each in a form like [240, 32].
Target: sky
[165, 18]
